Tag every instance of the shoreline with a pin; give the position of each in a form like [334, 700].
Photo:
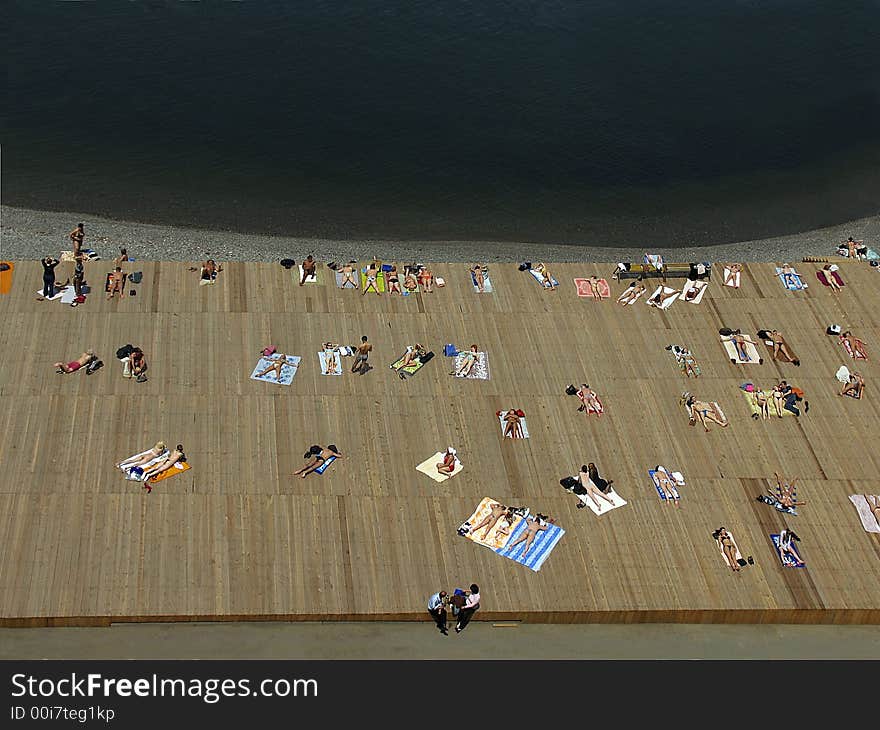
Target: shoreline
[27, 234]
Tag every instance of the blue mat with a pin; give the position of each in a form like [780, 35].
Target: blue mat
[287, 371]
[789, 561]
[539, 550]
[651, 473]
[320, 469]
[796, 285]
[540, 279]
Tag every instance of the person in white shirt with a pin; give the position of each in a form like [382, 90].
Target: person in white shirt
[471, 604]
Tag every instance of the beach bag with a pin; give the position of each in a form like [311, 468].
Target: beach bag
[450, 350]
[270, 350]
[571, 390]
[833, 329]
[136, 277]
[124, 351]
[426, 357]
[288, 263]
[725, 332]
[440, 281]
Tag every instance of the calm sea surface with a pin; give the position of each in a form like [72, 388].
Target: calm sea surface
[591, 122]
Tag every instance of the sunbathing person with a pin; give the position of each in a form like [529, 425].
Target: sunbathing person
[479, 273]
[667, 486]
[631, 293]
[71, 367]
[411, 356]
[276, 364]
[134, 461]
[778, 399]
[208, 272]
[332, 358]
[467, 363]
[701, 411]
[347, 272]
[829, 270]
[506, 522]
[594, 286]
[661, 296]
[685, 359]
[694, 291]
[739, 342]
[410, 283]
[173, 458]
[730, 274]
[372, 274]
[789, 276]
[854, 386]
[779, 346]
[117, 284]
[496, 511]
[393, 279]
[728, 548]
[309, 267]
[589, 400]
[546, 277]
[534, 525]
[319, 456]
[854, 345]
[426, 279]
[763, 403]
[447, 466]
[874, 505]
[786, 494]
[593, 491]
[513, 424]
[786, 546]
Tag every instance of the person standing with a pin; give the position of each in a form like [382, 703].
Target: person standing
[362, 354]
[79, 276]
[77, 235]
[309, 267]
[437, 609]
[471, 606]
[49, 265]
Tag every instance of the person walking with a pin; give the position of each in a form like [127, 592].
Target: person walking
[437, 609]
[471, 606]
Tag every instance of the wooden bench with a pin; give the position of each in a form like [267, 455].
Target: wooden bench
[666, 271]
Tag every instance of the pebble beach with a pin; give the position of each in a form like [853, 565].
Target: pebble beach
[31, 234]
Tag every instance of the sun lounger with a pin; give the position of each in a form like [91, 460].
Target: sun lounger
[796, 283]
[487, 284]
[788, 561]
[540, 279]
[429, 467]
[310, 279]
[287, 371]
[667, 302]
[869, 522]
[733, 352]
[542, 544]
[479, 370]
[674, 476]
[732, 281]
[603, 505]
[585, 290]
[522, 423]
[699, 286]
[739, 557]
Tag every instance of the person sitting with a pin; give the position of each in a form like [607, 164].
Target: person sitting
[479, 273]
[667, 486]
[208, 272]
[87, 358]
[512, 423]
[134, 461]
[116, 284]
[791, 396]
[730, 274]
[702, 411]
[426, 279]
[411, 356]
[534, 525]
[137, 364]
[347, 272]
[780, 347]
[276, 364]
[393, 279]
[309, 267]
[854, 386]
[319, 456]
[447, 466]
[631, 293]
[496, 511]
[787, 538]
[854, 346]
[589, 400]
[176, 456]
[547, 280]
[467, 363]
[592, 489]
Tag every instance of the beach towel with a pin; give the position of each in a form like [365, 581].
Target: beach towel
[849, 350]
[65, 295]
[750, 348]
[540, 279]
[171, 471]
[603, 505]
[133, 475]
[287, 371]
[311, 279]
[542, 544]
[732, 281]
[429, 467]
[479, 370]
[380, 280]
[675, 477]
[821, 275]
[788, 561]
[6, 269]
[487, 284]
[522, 423]
[107, 282]
[409, 369]
[635, 299]
[782, 357]
[323, 467]
[667, 302]
[323, 356]
[869, 522]
[739, 556]
[348, 284]
[592, 409]
[699, 286]
[680, 359]
[654, 259]
[585, 290]
[795, 285]
[498, 536]
[755, 409]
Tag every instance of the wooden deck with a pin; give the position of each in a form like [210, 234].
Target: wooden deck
[237, 537]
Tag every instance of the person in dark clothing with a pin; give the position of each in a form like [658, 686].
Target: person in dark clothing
[471, 605]
[79, 276]
[49, 265]
[604, 485]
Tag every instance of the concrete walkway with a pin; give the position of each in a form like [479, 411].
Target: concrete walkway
[423, 641]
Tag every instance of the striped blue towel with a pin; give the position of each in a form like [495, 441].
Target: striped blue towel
[540, 548]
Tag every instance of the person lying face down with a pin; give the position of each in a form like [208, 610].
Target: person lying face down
[71, 367]
[317, 455]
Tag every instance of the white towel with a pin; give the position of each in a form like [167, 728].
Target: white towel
[604, 506]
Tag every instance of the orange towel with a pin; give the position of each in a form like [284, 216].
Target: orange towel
[178, 468]
[6, 276]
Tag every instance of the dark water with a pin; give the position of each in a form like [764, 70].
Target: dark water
[602, 122]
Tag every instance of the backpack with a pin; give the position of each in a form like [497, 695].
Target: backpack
[124, 352]
[136, 277]
[450, 350]
[571, 390]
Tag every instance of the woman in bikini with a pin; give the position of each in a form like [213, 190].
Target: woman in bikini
[173, 458]
[589, 400]
[447, 466]
[702, 411]
[763, 403]
[664, 481]
[855, 346]
[546, 277]
[593, 491]
[512, 424]
[479, 275]
[727, 546]
[413, 353]
[277, 365]
[631, 293]
[780, 347]
[393, 280]
[410, 283]
[347, 272]
[854, 386]
[786, 495]
[786, 546]
[466, 365]
[426, 279]
[730, 274]
[320, 456]
[134, 461]
[660, 297]
[331, 358]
